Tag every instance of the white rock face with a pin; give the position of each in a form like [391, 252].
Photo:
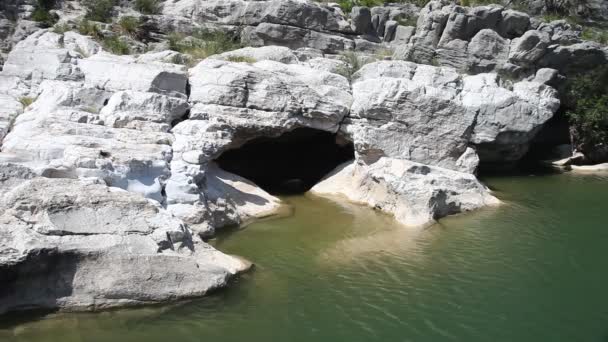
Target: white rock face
[115, 73]
[432, 115]
[507, 120]
[143, 111]
[81, 245]
[414, 193]
[268, 94]
[41, 57]
[231, 104]
[494, 39]
[110, 172]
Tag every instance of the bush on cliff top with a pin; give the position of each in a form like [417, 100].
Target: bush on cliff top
[128, 25]
[148, 6]
[99, 10]
[586, 105]
[116, 45]
[203, 43]
[42, 13]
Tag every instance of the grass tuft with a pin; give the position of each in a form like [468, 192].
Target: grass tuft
[116, 45]
[26, 101]
[148, 6]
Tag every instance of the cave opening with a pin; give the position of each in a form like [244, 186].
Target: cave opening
[288, 164]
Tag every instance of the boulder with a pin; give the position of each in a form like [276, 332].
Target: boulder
[335, 66]
[455, 54]
[513, 24]
[391, 114]
[465, 23]
[431, 115]
[296, 37]
[305, 14]
[415, 194]
[403, 34]
[269, 94]
[114, 73]
[144, 111]
[562, 32]
[293, 13]
[487, 51]
[224, 12]
[41, 57]
[432, 21]
[380, 15]
[529, 48]
[506, 120]
[304, 54]
[109, 248]
[361, 20]
[574, 59]
[549, 77]
[389, 30]
[61, 133]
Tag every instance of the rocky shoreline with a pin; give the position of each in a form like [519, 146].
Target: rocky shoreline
[109, 163]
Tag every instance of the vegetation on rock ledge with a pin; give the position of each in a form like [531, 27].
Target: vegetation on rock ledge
[203, 43]
[99, 10]
[587, 109]
[42, 13]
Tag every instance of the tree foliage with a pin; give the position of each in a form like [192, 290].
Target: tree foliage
[587, 109]
[42, 12]
[99, 10]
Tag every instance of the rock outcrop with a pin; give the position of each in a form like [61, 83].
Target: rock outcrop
[109, 165]
[433, 115]
[494, 39]
[416, 194]
[79, 244]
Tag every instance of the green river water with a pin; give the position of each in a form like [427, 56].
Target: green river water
[533, 269]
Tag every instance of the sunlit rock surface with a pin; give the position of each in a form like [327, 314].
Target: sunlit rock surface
[108, 164]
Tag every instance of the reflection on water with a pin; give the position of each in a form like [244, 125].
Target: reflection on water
[533, 269]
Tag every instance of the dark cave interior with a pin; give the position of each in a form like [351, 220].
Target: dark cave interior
[289, 164]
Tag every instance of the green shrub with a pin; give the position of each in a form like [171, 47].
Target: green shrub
[241, 59]
[42, 13]
[203, 43]
[128, 25]
[595, 34]
[369, 3]
[26, 101]
[116, 45]
[87, 28]
[61, 28]
[587, 109]
[346, 5]
[353, 64]
[180, 59]
[99, 10]
[148, 6]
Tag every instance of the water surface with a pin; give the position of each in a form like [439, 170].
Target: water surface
[534, 269]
